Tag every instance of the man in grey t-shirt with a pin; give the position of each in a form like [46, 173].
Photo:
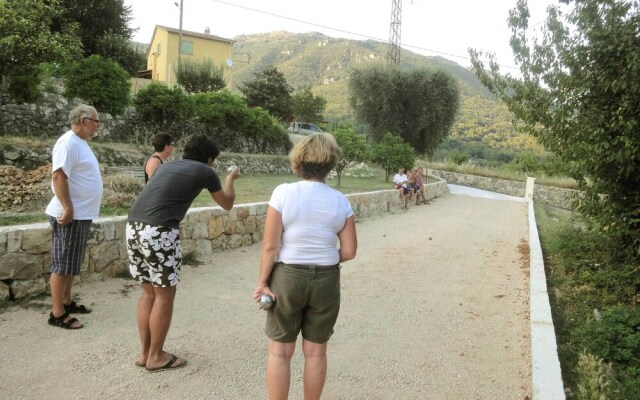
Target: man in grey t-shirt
[153, 241]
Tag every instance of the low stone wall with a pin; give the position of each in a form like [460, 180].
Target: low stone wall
[25, 249]
[553, 196]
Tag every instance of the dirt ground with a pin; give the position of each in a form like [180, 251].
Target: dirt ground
[435, 306]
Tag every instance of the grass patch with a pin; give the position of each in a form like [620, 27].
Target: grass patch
[258, 188]
[249, 189]
[561, 182]
[594, 298]
[8, 219]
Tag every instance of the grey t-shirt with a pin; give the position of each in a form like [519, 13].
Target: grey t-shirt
[164, 201]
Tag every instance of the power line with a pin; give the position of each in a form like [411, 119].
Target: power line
[347, 32]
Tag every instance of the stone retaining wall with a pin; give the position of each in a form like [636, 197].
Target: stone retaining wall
[553, 196]
[25, 249]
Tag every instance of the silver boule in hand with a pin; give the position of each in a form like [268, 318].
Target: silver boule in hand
[266, 301]
[231, 168]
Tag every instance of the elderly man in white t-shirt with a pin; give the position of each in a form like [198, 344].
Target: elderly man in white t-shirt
[77, 187]
[401, 180]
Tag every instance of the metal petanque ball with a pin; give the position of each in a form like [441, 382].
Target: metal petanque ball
[266, 301]
[231, 168]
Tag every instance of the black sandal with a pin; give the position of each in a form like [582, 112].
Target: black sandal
[74, 308]
[60, 321]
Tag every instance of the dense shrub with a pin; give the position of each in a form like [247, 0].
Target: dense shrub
[227, 118]
[458, 157]
[594, 305]
[267, 134]
[161, 108]
[616, 338]
[100, 82]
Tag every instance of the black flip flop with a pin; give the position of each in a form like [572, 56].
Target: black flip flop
[168, 366]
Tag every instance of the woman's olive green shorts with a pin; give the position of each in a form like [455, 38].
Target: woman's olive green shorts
[307, 300]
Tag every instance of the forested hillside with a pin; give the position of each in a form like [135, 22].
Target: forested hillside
[324, 64]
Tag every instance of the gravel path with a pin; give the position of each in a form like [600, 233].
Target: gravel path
[435, 306]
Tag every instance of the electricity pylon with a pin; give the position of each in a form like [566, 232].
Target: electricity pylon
[393, 55]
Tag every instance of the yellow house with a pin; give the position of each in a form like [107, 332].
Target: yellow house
[162, 55]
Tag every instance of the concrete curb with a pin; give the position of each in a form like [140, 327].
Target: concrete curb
[546, 376]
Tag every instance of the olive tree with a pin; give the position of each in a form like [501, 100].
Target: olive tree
[419, 105]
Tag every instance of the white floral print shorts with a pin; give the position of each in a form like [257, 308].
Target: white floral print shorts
[155, 254]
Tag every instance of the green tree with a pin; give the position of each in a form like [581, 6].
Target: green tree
[307, 107]
[25, 42]
[200, 76]
[392, 153]
[100, 82]
[95, 19]
[227, 118]
[119, 49]
[354, 149]
[162, 109]
[418, 105]
[24, 85]
[269, 89]
[579, 94]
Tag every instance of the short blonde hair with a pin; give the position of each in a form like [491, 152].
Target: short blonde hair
[315, 156]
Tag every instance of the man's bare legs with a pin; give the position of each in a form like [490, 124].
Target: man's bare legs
[155, 310]
[419, 194]
[61, 287]
[315, 369]
[145, 305]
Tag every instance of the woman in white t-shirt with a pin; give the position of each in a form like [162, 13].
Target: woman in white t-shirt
[308, 231]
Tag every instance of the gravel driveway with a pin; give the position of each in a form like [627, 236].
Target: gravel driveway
[435, 306]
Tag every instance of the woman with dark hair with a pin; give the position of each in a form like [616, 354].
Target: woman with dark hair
[163, 145]
[153, 241]
[300, 265]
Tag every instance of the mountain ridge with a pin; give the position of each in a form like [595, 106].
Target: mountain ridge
[324, 63]
[319, 61]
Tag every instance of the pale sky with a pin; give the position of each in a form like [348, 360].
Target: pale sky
[443, 28]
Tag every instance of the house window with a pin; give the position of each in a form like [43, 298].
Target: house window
[158, 50]
[186, 47]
